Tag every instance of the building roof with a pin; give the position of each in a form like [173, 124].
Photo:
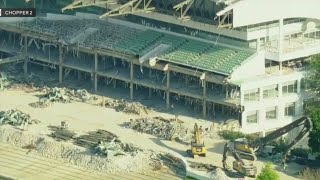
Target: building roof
[106, 35]
[249, 12]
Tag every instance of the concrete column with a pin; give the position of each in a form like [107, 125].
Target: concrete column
[260, 94]
[95, 85]
[168, 92]
[25, 65]
[150, 89]
[280, 89]
[298, 85]
[204, 103]
[241, 96]
[131, 80]
[258, 44]
[280, 111]
[280, 43]
[79, 75]
[60, 64]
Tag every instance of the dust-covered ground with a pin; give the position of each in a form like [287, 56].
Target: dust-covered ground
[84, 117]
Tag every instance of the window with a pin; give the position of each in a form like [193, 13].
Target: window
[290, 109]
[270, 91]
[289, 87]
[251, 95]
[271, 113]
[252, 117]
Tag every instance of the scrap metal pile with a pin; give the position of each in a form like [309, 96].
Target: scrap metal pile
[167, 162]
[168, 129]
[103, 142]
[16, 118]
[62, 95]
[126, 107]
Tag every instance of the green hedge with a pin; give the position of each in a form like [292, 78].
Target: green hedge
[232, 135]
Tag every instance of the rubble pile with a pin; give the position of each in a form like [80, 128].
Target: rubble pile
[202, 166]
[16, 118]
[114, 148]
[62, 95]
[168, 163]
[4, 81]
[168, 129]
[47, 147]
[105, 143]
[126, 107]
[62, 134]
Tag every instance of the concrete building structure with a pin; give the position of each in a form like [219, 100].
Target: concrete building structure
[248, 63]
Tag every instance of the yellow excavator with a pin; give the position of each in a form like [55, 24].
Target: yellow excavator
[248, 150]
[197, 144]
[246, 169]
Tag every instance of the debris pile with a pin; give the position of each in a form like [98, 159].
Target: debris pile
[47, 147]
[168, 129]
[105, 143]
[62, 134]
[167, 162]
[62, 95]
[202, 166]
[16, 118]
[92, 139]
[4, 81]
[126, 107]
[114, 148]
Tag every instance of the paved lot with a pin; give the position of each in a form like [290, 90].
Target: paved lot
[16, 163]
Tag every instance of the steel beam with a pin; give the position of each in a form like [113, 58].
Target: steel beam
[18, 58]
[130, 7]
[183, 11]
[85, 3]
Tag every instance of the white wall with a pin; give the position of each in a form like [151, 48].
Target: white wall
[280, 102]
[258, 11]
[253, 66]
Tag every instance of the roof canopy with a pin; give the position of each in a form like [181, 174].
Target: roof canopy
[248, 12]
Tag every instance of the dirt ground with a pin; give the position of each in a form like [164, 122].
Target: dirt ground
[84, 117]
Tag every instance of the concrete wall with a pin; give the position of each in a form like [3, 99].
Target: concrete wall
[253, 66]
[279, 101]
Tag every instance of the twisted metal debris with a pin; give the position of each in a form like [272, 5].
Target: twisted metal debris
[164, 128]
[126, 107]
[115, 148]
[63, 95]
[16, 118]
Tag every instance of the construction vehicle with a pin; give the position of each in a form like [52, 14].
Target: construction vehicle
[248, 150]
[246, 169]
[197, 144]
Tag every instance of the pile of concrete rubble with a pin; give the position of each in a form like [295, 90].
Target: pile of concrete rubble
[115, 148]
[167, 162]
[63, 95]
[126, 107]
[168, 129]
[16, 118]
[4, 81]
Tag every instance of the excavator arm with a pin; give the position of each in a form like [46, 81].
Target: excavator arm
[227, 148]
[305, 122]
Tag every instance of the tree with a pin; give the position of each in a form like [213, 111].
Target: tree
[268, 173]
[314, 137]
[313, 108]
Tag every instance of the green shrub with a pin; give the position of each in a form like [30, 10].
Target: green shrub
[268, 173]
[300, 152]
[232, 135]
